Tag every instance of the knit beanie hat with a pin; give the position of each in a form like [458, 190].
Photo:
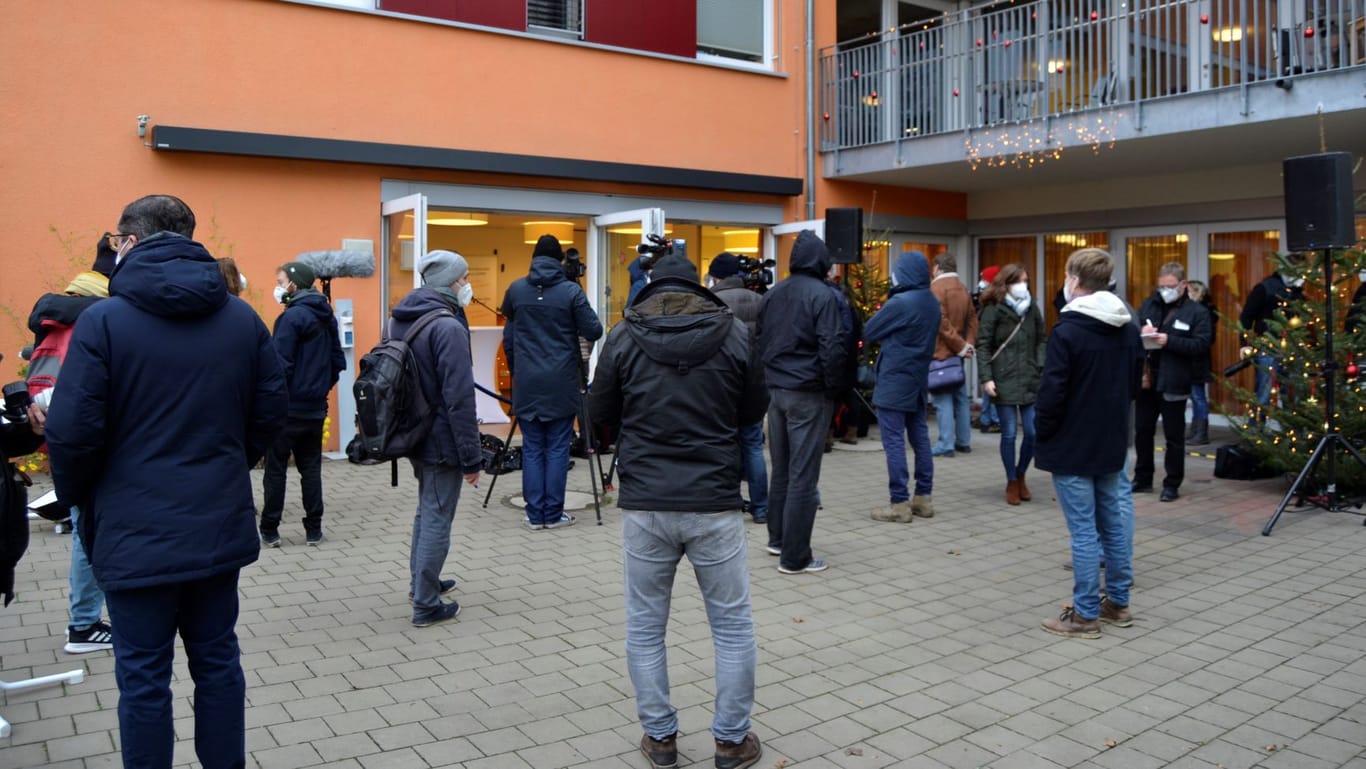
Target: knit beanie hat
[989, 274]
[104, 257]
[300, 274]
[441, 269]
[673, 266]
[724, 265]
[89, 283]
[548, 245]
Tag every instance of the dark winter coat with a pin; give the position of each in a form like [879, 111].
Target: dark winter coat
[546, 314]
[1203, 370]
[638, 282]
[446, 375]
[306, 340]
[16, 440]
[1090, 378]
[907, 327]
[1187, 326]
[1266, 298]
[799, 325]
[170, 393]
[743, 303]
[1017, 366]
[680, 376]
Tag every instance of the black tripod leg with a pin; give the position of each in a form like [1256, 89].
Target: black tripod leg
[588, 446]
[1304, 473]
[498, 460]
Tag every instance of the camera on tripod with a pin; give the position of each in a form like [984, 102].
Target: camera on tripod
[654, 247]
[17, 401]
[757, 274]
[574, 268]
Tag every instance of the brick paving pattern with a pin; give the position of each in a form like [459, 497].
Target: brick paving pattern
[918, 649]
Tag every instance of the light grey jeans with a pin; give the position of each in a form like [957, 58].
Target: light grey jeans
[653, 543]
[438, 491]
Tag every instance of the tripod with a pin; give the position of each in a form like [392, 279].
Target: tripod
[501, 454]
[1332, 441]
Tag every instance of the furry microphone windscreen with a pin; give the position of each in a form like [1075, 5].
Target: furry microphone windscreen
[339, 263]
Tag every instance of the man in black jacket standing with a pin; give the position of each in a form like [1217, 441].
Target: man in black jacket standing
[307, 342]
[804, 359]
[681, 377]
[730, 288]
[546, 314]
[1274, 294]
[1176, 333]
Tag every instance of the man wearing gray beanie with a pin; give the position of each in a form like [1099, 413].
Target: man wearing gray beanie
[451, 452]
[546, 314]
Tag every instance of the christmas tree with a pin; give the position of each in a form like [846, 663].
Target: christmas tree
[867, 290]
[1285, 432]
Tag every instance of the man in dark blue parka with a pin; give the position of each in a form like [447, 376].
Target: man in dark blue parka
[306, 339]
[170, 393]
[907, 327]
[546, 314]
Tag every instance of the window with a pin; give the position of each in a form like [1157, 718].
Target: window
[733, 29]
[559, 15]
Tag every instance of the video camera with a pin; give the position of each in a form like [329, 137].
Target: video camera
[656, 246]
[574, 268]
[16, 403]
[757, 274]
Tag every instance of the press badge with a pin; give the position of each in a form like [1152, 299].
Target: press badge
[1180, 325]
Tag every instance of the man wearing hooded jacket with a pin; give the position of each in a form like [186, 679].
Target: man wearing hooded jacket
[170, 392]
[804, 359]
[306, 339]
[546, 314]
[682, 377]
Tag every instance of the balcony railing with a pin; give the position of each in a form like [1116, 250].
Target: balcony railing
[1017, 62]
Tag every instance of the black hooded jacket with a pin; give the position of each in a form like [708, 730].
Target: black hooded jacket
[799, 325]
[306, 339]
[680, 377]
[546, 314]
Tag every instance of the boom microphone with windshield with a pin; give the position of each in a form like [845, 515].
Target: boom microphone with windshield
[338, 263]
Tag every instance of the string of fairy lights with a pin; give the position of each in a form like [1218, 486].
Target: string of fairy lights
[1031, 143]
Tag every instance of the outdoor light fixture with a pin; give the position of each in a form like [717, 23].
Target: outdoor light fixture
[741, 241]
[1227, 34]
[1222, 257]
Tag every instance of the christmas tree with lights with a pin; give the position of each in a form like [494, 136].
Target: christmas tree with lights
[866, 290]
[1285, 432]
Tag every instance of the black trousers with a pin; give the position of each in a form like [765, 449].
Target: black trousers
[304, 439]
[797, 422]
[1151, 405]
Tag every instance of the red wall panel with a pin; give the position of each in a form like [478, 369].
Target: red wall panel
[662, 26]
[507, 14]
[437, 9]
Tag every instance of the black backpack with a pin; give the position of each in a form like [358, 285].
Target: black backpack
[392, 414]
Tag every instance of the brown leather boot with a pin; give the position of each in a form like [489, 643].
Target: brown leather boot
[1012, 492]
[850, 436]
[1069, 625]
[1025, 496]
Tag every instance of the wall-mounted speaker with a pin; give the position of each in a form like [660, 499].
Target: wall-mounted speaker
[844, 234]
[1318, 202]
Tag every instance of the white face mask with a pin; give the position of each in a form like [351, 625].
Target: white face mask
[982, 285]
[1067, 288]
[280, 294]
[243, 280]
[1169, 294]
[1361, 276]
[1292, 281]
[465, 295]
[1019, 291]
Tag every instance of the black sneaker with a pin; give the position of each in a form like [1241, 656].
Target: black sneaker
[738, 755]
[315, 538]
[270, 538]
[662, 754]
[98, 637]
[447, 585]
[440, 614]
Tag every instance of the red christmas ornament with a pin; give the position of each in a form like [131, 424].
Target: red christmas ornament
[1204, 18]
[955, 92]
[1007, 44]
[873, 94]
[1352, 370]
[856, 74]
[1308, 31]
[858, 284]
[979, 42]
[1095, 15]
[826, 116]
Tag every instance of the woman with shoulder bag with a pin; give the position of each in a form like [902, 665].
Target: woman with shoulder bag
[1010, 353]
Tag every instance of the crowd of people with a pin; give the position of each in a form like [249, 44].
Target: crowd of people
[152, 440]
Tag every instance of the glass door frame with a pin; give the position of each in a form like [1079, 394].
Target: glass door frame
[651, 221]
[417, 205]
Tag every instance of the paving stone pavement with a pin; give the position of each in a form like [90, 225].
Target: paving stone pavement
[920, 648]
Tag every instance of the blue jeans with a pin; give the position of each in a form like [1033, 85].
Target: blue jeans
[989, 416]
[955, 418]
[87, 599]
[545, 467]
[1261, 378]
[652, 544]
[894, 425]
[146, 621]
[1011, 415]
[1100, 528]
[438, 491]
[756, 472]
[1199, 402]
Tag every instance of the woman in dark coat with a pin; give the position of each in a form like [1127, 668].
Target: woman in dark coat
[1010, 351]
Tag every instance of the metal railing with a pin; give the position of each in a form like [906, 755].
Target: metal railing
[1016, 62]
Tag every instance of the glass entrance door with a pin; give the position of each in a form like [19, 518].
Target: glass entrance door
[405, 241]
[612, 241]
[1144, 252]
[1238, 260]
